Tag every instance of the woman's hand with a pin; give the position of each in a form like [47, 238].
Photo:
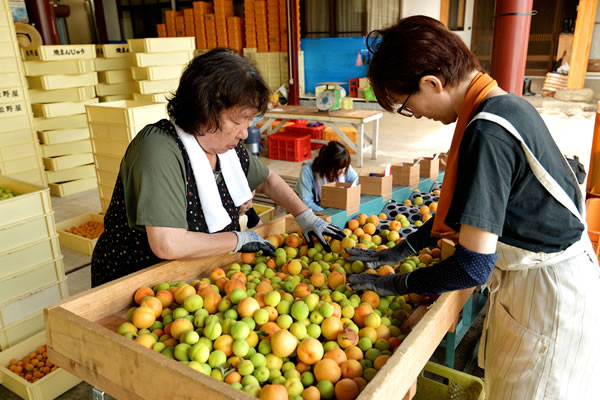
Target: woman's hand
[247, 205]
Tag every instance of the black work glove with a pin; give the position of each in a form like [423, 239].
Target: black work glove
[414, 242]
[315, 227]
[384, 285]
[251, 242]
[253, 218]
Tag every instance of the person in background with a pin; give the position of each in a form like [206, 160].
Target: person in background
[515, 206]
[332, 164]
[183, 182]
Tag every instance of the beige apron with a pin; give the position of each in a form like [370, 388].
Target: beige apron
[540, 336]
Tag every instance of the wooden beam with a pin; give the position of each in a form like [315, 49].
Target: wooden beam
[582, 41]
[444, 12]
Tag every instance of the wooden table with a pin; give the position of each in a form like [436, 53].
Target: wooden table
[356, 118]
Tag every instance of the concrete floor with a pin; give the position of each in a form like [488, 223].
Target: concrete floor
[400, 139]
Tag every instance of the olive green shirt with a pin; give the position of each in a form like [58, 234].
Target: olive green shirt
[154, 180]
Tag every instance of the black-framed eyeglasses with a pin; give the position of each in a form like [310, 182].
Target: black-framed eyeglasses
[405, 111]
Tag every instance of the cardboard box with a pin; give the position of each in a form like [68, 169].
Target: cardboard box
[378, 185]
[406, 174]
[341, 195]
[430, 167]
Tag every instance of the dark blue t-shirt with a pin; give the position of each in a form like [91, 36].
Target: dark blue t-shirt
[496, 189]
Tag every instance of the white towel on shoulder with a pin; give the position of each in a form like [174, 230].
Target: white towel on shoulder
[236, 181]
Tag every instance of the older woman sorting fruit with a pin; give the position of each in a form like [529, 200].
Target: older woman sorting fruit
[183, 182]
[515, 206]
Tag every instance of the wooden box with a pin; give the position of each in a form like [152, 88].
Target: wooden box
[36, 68]
[126, 112]
[162, 45]
[55, 82]
[63, 135]
[112, 64]
[70, 161]
[82, 339]
[112, 50]
[341, 195]
[405, 174]
[157, 73]
[49, 387]
[378, 185]
[62, 149]
[61, 109]
[113, 77]
[76, 242]
[153, 87]
[70, 174]
[61, 95]
[430, 167]
[32, 201]
[156, 59]
[67, 122]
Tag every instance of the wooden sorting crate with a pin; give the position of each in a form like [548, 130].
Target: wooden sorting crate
[76, 242]
[93, 316]
[32, 201]
[9, 64]
[52, 110]
[53, 82]
[31, 280]
[21, 259]
[13, 109]
[112, 77]
[60, 95]
[49, 387]
[25, 232]
[153, 87]
[72, 187]
[66, 122]
[126, 112]
[21, 330]
[65, 162]
[116, 132]
[60, 52]
[63, 135]
[37, 68]
[162, 45]
[84, 171]
[112, 50]
[157, 73]
[157, 59]
[61, 149]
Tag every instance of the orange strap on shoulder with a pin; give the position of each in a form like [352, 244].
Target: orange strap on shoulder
[479, 88]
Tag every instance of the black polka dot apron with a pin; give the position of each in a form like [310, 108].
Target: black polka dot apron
[122, 250]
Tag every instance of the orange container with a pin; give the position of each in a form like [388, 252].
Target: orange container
[161, 30]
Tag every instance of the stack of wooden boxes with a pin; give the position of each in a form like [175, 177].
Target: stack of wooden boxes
[200, 9]
[113, 125]
[62, 81]
[223, 10]
[158, 64]
[19, 151]
[113, 64]
[32, 274]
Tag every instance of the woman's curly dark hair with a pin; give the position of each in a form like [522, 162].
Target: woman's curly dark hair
[212, 83]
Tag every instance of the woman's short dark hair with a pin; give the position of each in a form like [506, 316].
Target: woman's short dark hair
[212, 83]
[412, 48]
[332, 158]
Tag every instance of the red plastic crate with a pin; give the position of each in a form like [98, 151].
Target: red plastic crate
[315, 132]
[289, 147]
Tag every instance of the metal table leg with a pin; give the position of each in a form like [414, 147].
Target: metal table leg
[97, 394]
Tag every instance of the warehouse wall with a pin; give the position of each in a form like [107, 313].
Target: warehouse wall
[332, 60]
[430, 8]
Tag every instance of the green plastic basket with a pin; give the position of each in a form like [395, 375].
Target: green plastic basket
[437, 382]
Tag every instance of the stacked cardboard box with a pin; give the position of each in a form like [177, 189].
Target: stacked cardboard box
[113, 125]
[19, 150]
[62, 81]
[158, 64]
[113, 64]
